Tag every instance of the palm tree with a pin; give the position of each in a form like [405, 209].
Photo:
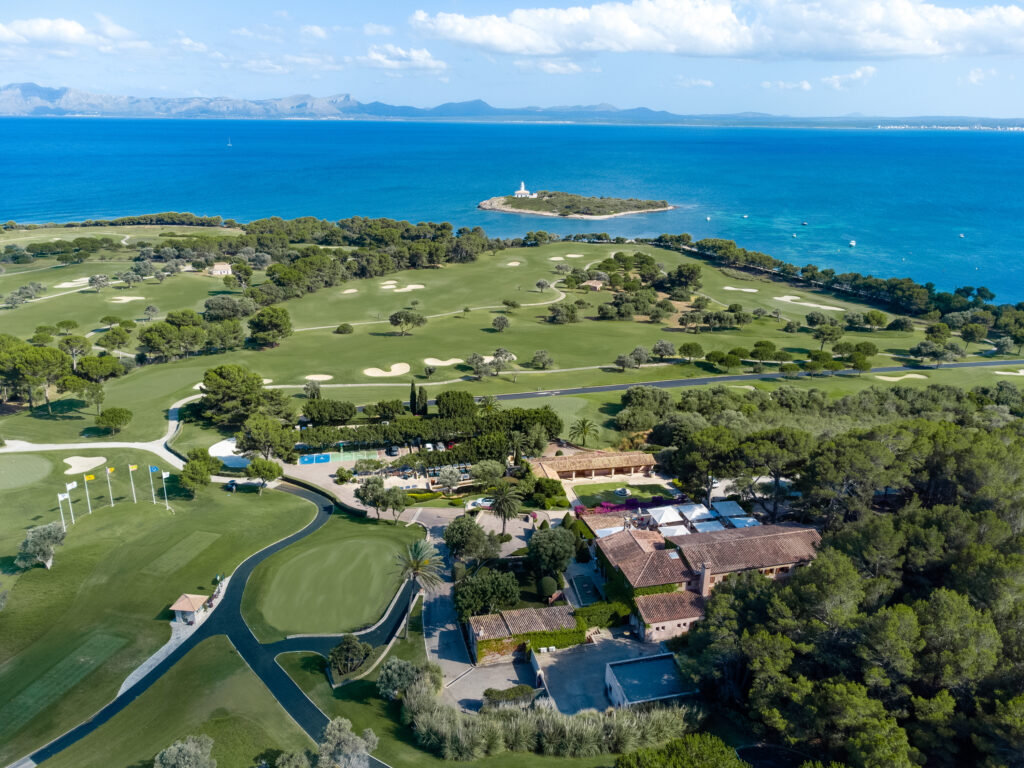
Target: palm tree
[489, 404]
[420, 562]
[582, 430]
[505, 502]
[516, 443]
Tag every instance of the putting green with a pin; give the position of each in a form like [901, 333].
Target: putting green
[19, 470]
[592, 495]
[339, 579]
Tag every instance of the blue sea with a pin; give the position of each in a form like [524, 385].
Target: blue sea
[904, 196]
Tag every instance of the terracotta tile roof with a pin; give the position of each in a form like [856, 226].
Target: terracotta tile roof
[745, 548]
[539, 619]
[670, 606]
[550, 467]
[522, 620]
[643, 559]
[189, 602]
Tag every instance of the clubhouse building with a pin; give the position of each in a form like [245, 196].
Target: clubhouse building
[593, 464]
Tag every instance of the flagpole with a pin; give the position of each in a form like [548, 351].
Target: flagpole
[151, 489]
[71, 509]
[88, 501]
[163, 481]
[131, 479]
[109, 491]
[61, 507]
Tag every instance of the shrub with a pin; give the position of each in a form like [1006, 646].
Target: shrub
[547, 587]
[568, 521]
[504, 538]
[454, 503]
[694, 750]
[517, 694]
[458, 571]
[396, 675]
[342, 476]
[344, 329]
[545, 525]
[348, 655]
[425, 496]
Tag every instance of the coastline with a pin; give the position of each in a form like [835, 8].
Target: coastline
[495, 204]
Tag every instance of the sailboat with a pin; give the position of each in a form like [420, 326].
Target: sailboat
[229, 141]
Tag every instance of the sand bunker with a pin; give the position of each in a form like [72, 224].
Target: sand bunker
[574, 255]
[745, 290]
[450, 361]
[350, 290]
[556, 258]
[79, 464]
[796, 300]
[227, 452]
[490, 358]
[78, 282]
[387, 287]
[901, 378]
[1019, 372]
[396, 370]
[750, 387]
[513, 264]
[199, 386]
[410, 287]
[126, 299]
[318, 377]
[268, 381]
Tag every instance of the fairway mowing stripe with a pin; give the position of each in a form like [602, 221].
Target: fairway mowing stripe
[56, 681]
[182, 553]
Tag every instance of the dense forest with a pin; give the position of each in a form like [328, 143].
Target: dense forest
[903, 643]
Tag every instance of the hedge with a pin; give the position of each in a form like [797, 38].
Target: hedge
[559, 638]
[658, 590]
[603, 614]
[424, 496]
[517, 694]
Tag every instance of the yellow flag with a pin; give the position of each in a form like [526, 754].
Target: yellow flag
[90, 477]
[132, 467]
[110, 470]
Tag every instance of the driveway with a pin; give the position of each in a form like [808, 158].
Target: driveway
[575, 676]
[468, 691]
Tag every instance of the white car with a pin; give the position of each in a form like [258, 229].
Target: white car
[429, 447]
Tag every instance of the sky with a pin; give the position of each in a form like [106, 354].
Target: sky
[829, 57]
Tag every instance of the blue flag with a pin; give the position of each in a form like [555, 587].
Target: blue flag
[153, 468]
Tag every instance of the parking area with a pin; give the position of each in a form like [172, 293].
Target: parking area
[468, 691]
[575, 676]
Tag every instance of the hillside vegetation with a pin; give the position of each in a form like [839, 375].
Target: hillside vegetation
[568, 204]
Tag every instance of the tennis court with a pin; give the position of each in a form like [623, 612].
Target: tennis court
[354, 455]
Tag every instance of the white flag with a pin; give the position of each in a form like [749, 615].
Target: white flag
[165, 475]
[71, 486]
[64, 496]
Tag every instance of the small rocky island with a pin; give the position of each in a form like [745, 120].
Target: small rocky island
[570, 206]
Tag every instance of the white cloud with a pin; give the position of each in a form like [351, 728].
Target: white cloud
[189, 44]
[827, 29]
[113, 30]
[261, 32]
[314, 61]
[265, 67]
[694, 82]
[552, 66]
[372, 29]
[312, 30]
[394, 58]
[839, 82]
[976, 76]
[65, 31]
[787, 85]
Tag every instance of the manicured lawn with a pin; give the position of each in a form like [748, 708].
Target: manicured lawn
[591, 344]
[339, 579]
[211, 691]
[359, 702]
[71, 635]
[592, 495]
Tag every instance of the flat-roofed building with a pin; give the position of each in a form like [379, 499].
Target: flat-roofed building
[649, 678]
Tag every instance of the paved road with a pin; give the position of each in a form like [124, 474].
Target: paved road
[227, 620]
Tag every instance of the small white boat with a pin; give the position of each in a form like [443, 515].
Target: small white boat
[961, 234]
[794, 234]
[745, 216]
[853, 243]
[803, 224]
[708, 218]
[229, 141]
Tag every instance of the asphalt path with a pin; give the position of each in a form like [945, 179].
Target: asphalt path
[701, 381]
[261, 658]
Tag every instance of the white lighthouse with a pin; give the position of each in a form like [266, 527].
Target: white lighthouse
[523, 191]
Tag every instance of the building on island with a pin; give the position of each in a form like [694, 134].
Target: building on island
[593, 464]
[220, 269]
[648, 562]
[523, 191]
[187, 607]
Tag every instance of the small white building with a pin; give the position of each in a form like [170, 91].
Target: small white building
[642, 680]
[187, 607]
[523, 191]
[220, 269]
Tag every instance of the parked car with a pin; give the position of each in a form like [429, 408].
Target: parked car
[232, 485]
[392, 450]
[440, 447]
[429, 447]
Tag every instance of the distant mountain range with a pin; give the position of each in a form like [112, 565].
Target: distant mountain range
[31, 100]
